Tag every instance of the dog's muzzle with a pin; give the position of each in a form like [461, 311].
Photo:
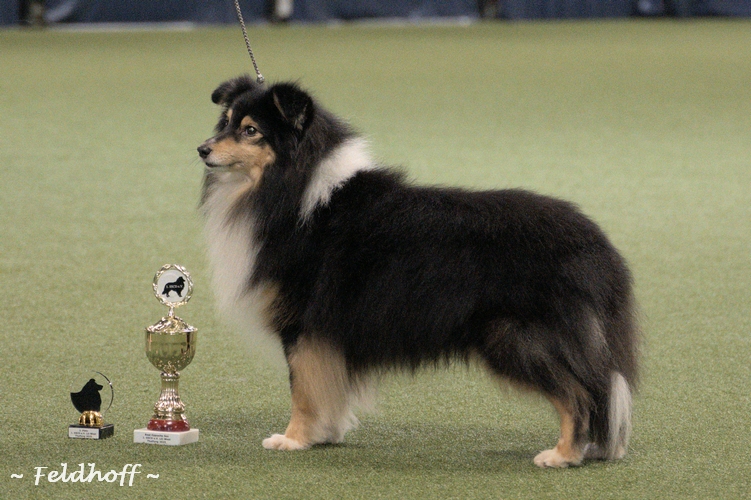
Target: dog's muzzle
[204, 151]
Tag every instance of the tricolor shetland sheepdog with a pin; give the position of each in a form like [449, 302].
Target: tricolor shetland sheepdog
[358, 271]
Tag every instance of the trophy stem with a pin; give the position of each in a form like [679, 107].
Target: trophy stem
[169, 411]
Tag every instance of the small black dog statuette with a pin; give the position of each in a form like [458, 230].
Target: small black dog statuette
[88, 401]
[177, 286]
[88, 398]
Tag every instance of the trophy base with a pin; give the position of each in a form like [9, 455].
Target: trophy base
[147, 436]
[160, 425]
[84, 432]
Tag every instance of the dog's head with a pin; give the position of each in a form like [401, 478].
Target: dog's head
[256, 126]
[92, 387]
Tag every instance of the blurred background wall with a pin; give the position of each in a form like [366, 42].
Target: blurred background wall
[14, 12]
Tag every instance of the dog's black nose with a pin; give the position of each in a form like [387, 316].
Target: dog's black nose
[204, 151]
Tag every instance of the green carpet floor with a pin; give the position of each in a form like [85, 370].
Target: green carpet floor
[646, 125]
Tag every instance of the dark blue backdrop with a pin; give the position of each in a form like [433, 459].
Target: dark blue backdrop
[222, 11]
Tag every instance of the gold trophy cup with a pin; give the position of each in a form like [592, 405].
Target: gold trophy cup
[170, 346]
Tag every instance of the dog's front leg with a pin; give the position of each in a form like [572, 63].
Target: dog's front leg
[320, 397]
[301, 428]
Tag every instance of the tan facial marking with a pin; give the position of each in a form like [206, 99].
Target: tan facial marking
[248, 121]
[247, 153]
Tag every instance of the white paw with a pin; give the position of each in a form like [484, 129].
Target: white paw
[282, 442]
[552, 458]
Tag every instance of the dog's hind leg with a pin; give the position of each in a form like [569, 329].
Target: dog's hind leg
[321, 395]
[526, 356]
[570, 447]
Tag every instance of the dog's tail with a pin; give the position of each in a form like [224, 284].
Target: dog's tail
[619, 416]
[610, 417]
[611, 421]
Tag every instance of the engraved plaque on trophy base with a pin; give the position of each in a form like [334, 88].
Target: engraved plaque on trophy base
[85, 432]
[171, 438]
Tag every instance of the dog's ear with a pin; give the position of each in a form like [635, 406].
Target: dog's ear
[295, 106]
[227, 91]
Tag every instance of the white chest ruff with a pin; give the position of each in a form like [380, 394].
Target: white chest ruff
[230, 250]
[232, 256]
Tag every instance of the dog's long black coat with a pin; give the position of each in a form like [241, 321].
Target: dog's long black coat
[395, 275]
[421, 274]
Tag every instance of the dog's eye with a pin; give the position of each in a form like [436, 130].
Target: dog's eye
[250, 131]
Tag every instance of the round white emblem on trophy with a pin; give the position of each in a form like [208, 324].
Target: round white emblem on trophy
[172, 285]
